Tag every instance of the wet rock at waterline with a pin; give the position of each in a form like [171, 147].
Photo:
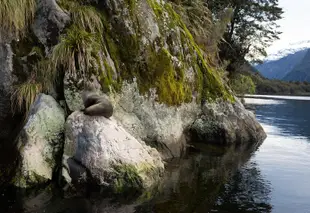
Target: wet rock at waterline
[226, 123]
[40, 142]
[111, 156]
[159, 125]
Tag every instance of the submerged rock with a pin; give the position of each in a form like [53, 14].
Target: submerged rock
[226, 123]
[40, 142]
[102, 150]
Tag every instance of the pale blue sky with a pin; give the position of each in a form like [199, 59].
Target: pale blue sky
[295, 24]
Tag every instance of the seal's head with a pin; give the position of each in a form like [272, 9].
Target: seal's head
[89, 86]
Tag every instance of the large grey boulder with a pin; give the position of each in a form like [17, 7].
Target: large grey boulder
[40, 142]
[100, 150]
[224, 123]
[159, 125]
[49, 22]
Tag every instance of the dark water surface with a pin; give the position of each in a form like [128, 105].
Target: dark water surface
[273, 178]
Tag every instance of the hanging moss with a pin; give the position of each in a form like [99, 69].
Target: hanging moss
[169, 82]
[157, 8]
[213, 87]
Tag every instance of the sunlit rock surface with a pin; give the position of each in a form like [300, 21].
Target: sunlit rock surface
[40, 143]
[111, 156]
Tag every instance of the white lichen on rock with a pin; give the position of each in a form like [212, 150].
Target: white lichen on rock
[151, 121]
[40, 142]
[104, 147]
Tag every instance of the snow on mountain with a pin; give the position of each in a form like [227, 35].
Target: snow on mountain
[291, 49]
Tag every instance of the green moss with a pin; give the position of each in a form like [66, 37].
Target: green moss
[212, 87]
[157, 8]
[131, 5]
[159, 72]
[29, 181]
[127, 179]
[106, 78]
[153, 67]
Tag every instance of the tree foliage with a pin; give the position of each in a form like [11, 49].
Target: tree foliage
[251, 30]
[242, 84]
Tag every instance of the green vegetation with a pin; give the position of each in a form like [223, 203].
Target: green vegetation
[16, 15]
[85, 16]
[91, 35]
[127, 179]
[161, 74]
[79, 49]
[251, 30]
[242, 84]
[24, 95]
[266, 86]
[209, 85]
[78, 52]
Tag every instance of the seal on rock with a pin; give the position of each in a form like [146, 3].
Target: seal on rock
[96, 105]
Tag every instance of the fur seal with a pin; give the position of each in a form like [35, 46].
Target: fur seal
[96, 105]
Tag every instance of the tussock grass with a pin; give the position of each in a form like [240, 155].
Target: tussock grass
[24, 95]
[79, 49]
[77, 52]
[88, 18]
[45, 74]
[16, 15]
[84, 16]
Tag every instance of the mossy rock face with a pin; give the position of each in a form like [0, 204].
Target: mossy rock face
[148, 40]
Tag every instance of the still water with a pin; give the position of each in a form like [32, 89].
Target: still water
[274, 177]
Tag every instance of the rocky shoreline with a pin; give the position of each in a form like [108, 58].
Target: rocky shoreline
[155, 119]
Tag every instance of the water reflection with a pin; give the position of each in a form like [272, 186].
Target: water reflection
[247, 191]
[292, 117]
[284, 158]
[191, 184]
[198, 181]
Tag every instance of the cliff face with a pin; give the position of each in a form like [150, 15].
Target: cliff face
[143, 57]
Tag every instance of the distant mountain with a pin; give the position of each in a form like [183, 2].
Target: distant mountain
[290, 64]
[278, 69]
[301, 71]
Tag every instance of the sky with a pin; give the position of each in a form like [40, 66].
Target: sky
[295, 24]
